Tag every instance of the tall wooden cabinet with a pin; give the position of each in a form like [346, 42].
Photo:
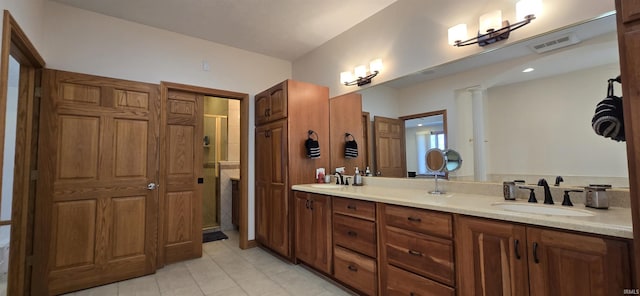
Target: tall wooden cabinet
[284, 115]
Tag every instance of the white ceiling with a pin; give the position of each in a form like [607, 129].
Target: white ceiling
[285, 29]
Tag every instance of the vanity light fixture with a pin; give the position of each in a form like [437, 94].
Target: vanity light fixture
[361, 74]
[492, 28]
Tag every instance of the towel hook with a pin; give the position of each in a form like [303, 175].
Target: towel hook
[310, 133]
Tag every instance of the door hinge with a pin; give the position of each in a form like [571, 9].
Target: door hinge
[37, 92]
[34, 175]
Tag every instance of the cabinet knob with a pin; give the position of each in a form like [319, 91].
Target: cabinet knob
[415, 253]
[352, 233]
[351, 207]
[353, 268]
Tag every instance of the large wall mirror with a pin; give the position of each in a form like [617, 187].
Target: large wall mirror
[509, 124]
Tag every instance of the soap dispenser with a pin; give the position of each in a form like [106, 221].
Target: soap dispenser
[357, 178]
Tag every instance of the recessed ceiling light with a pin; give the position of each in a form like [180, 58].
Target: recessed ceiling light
[527, 70]
[419, 124]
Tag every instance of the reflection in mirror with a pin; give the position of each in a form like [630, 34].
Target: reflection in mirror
[453, 160]
[423, 132]
[435, 160]
[514, 125]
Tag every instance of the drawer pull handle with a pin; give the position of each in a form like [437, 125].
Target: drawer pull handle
[352, 233]
[353, 268]
[412, 294]
[415, 253]
[351, 207]
[414, 219]
[535, 253]
[516, 248]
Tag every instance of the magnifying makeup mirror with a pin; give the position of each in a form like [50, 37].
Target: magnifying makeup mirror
[438, 161]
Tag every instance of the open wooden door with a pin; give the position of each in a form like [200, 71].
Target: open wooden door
[182, 174]
[389, 145]
[96, 212]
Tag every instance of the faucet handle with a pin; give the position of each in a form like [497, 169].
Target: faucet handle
[558, 180]
[566, 200]
[532, 194]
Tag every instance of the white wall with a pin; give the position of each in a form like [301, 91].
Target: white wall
[411, 35]
[81, 41]
[29, 15]
[380, 101]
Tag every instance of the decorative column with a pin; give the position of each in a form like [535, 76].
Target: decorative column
[479, 143]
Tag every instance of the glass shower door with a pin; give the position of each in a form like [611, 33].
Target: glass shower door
[215, 149]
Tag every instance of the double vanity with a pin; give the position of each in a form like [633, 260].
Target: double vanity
[391, 237]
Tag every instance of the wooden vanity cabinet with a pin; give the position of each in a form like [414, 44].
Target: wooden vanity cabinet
[313, 230]
[284, 115]
[354, 244]
[416, 251]
[491, 257]
[503, 258]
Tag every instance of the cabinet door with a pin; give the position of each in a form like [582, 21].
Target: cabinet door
[491, 257]
[278, 102]
[278, 189]
[262, 108]
[321, 232]
[562, 263]
[304, 220]
[263, 177]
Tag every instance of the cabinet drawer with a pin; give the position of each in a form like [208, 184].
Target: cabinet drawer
[400, 282]
[356, 208]
[434, 223]
[425, 255]
[355, 270]
[355, 234]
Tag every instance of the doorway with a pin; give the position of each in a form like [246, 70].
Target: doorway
[19, 104]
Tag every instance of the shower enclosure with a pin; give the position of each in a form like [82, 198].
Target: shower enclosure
[215, 150]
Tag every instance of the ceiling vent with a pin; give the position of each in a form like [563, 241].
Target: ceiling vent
[555, 43]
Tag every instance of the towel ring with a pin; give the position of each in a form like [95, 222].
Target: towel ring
[347, 135]
[310, 133]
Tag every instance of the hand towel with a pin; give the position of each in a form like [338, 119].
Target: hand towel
[350, 147]
[608, 120]
[312, 146]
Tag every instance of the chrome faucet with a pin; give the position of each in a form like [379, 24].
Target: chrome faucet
[548, 199]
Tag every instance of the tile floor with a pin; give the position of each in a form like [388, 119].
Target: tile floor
[225, 269]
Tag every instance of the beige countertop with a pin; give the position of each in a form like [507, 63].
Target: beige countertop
[613, 221]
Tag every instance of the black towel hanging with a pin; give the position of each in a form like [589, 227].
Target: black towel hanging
[608, 120]
[312, 146]
[350, 146]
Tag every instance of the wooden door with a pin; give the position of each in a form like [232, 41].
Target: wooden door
[491, 257]
[321, 232]
[389, 142]
[562, 263]
[304, 244]
[181, 169]
[95, 220]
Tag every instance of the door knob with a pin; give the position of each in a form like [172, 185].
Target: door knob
[152, 186]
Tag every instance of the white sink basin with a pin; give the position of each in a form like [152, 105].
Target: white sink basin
[553, 210]
[327, 186]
